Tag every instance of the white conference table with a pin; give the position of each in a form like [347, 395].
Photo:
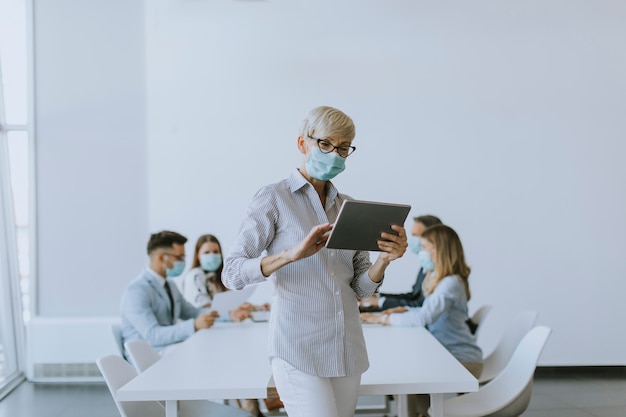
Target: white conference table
[230, 360]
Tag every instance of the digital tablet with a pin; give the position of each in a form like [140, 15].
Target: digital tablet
[360, 223]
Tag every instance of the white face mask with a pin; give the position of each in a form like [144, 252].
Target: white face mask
[176, 270]
[415, 244]
[210, 261]
[324, 166]
[425, 261]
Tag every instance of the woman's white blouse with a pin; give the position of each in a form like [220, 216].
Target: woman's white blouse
[314, 322]
[195, 288]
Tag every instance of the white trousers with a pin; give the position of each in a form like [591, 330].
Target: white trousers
[306, 395]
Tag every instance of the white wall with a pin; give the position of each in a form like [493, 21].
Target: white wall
[91, 153]
[505, 119]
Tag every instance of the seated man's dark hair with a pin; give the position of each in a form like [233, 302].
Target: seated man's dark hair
[427, 220]
[165, 239]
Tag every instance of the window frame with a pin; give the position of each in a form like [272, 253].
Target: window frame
[12, 292]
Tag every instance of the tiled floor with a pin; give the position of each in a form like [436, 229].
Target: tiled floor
[582, 392]
[597, 392]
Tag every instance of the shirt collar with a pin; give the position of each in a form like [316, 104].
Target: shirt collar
[297, 181]
[156, 277]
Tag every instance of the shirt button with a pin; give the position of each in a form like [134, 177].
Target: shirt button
[336, 292]
[332, 254]
[339, 313]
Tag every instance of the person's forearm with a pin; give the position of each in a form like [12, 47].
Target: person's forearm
[377, 270]
[273, 263]
[392, 295]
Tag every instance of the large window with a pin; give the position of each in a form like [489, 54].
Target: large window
[15, 180]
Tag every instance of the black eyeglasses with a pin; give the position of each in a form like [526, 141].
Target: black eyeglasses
[177, 257]
[327, 147]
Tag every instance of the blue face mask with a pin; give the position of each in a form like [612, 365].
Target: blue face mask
[179, 267]
[210, 261]
[324, 166]
[415, 244]
[425, 261]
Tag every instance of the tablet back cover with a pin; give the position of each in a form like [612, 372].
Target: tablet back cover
[360, 223]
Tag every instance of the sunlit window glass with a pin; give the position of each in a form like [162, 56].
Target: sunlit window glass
[18, 161]
[13, 60]
[14, 190]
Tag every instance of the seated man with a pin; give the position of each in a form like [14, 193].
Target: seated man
[415, 298]
[152, 307]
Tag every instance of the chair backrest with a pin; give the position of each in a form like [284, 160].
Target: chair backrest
[508, 394]
[479, 316]
[495, 362]
[117, 372]
[141, 354]
[116, 329]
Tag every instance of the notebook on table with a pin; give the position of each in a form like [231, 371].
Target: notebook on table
[261, 315]
[224, 302]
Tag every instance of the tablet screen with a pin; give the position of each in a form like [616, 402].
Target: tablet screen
[360, 223]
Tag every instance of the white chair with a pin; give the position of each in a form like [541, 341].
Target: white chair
[495, 362]
[141, 354]
[479, 316]
[508, 394]
[116, 329]
[117, 372]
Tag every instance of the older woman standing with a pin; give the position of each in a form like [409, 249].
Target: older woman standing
[316, 345]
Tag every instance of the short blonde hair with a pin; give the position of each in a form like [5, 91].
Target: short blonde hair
[325, 122]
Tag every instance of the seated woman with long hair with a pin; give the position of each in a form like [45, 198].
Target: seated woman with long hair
[444, 311]
[204, 279]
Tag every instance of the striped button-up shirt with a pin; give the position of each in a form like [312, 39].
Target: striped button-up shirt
[314, 322]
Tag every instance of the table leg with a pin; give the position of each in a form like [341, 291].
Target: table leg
[436, 405]
[403, 405]
[171, 408]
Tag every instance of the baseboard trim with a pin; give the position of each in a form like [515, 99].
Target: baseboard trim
[569, 371]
